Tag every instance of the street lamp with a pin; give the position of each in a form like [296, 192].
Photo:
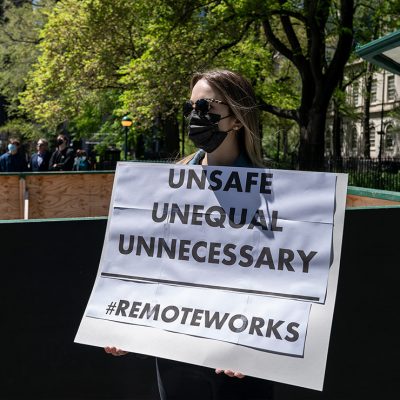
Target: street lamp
[126, 122]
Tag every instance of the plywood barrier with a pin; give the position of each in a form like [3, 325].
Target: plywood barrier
[10, 200]
[362, 197]
[55, 195]
[69, 195]
[362, 201]
[88, 194]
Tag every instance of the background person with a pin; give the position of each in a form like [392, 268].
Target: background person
[40, 160]
[81, 161]
[223, 123]
[62, 158]
[13, 160]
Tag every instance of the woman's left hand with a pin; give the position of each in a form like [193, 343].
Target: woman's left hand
[230, 373]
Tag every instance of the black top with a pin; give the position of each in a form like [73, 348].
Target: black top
[65, 159]
[181, 381]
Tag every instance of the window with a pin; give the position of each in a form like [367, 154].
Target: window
[354, 140]
[374, 91]
[389, 137]
[355, 93]
[391, 89]
[372, 138]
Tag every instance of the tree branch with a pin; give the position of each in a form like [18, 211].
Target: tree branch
[234, 42]
[279, 45]
[290, 33]
[318, 13]
[289, 13]
[355, 77]
[13, 39]
[190, 8]
[280, 112]
[344, 45]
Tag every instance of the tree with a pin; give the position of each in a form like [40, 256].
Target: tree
[328, 28]
[76, 77]
[316, 37]
[343, 104]
[372, 20]
[299, 32]
[144, 53]
[141, 52]
[20, 26]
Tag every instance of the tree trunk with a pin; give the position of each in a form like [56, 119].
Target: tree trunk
[366, 113]
[3, 110]
[319, 76]
[337, 131]
[312, 141]
[171, 135]
[285, 143]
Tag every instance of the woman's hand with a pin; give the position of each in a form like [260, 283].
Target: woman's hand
[230, 373]
[115, 352]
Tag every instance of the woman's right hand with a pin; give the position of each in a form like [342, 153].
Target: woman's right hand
[115, 352]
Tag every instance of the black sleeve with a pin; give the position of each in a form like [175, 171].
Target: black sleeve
[68, 162]
[24, 164]
[51, 162]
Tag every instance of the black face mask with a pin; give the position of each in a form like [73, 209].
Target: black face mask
[60, 141]
[203, 131]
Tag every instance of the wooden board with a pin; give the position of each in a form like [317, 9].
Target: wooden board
[75, 195]
[10, 202]
[363, 201]
[69, 195]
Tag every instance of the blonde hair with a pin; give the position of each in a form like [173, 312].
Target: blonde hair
[238, 93]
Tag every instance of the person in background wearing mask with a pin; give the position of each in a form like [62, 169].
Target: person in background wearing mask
[40, 160]
[13, 160]
[81, 162]
[63, 157]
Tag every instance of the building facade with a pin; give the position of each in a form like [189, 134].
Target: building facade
[384, 122]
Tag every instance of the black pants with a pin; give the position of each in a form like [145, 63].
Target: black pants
[180, 381]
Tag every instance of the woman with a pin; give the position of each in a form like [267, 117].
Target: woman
[223, 123]
[223, 120]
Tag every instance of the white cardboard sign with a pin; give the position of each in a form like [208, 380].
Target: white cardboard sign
[237, 255]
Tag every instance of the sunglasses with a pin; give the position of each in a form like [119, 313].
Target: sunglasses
[201, 106]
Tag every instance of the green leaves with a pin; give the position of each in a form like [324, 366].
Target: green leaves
[19, 36]
[100, 59]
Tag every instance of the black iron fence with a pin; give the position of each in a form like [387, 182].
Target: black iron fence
[381, 174]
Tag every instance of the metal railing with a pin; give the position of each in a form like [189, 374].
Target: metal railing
[374, 173]
[371, 173]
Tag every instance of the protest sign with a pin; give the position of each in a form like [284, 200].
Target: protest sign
[241, 256]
